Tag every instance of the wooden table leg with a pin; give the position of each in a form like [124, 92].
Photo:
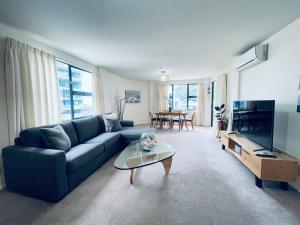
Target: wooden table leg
[186, 125]
[132, 173]
[167, 163]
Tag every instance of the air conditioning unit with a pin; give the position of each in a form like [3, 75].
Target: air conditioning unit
[254, 56]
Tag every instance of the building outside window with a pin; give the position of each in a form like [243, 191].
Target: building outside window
[183, 96]
[75, 91]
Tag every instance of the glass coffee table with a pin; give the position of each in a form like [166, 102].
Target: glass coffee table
[134, 156]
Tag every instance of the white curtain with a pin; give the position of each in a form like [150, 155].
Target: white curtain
[201, 104]
[221, 91]
[161, 96]
[31, 87]
[98, 99]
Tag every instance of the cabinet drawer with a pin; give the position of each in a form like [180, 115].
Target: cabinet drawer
[252, 162]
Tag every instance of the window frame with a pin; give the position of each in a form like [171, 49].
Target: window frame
[188, 94]
[71, 91]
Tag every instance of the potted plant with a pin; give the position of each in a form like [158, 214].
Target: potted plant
[221, 117]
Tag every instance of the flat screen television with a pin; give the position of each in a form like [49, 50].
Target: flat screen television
[255, 121]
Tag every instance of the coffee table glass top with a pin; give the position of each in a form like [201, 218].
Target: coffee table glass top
[133, 156]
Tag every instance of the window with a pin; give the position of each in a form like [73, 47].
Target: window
[183, 96]
[75, 91]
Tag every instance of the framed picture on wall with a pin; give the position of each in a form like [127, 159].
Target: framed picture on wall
[132, 96]
[298, 104]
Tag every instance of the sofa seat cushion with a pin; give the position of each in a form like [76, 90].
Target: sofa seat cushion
[134, 133]
[108, 139]
[80, 155]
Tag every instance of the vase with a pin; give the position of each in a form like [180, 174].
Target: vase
[148, 140]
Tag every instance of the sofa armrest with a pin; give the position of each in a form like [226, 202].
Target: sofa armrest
[127, 123]
[35, 171]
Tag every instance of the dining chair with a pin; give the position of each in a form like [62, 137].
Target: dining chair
[163, 119]
[176, 118]
[153, 119]
[189, 120]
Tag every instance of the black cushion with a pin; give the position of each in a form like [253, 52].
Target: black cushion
[87, 128]
[70, 130]
[101, 122]
[177, 119]
[164, 119]
[81, 155]
[56, 138]
[108, 139]
[32, 137]
[113, 125]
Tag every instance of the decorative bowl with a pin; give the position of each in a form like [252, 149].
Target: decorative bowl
[148, 140]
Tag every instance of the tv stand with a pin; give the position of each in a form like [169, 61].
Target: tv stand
[282, 169]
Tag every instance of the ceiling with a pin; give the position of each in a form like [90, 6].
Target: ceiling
[134, 38]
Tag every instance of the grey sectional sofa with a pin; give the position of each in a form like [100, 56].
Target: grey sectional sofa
[32, 169]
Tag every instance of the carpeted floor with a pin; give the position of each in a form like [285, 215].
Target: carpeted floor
[206, 186]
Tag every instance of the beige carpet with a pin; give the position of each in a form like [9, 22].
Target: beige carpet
[206, 186]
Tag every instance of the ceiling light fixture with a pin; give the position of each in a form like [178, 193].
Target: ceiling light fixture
[163, 76]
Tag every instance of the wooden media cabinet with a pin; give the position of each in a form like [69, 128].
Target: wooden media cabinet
[283, 168]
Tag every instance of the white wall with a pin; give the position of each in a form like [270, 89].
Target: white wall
[278, 79]
[114, 84]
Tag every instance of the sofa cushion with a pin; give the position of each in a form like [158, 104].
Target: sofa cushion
[32, 137]
[56, 138]
[101, 122]
[87, 128]
[106, 117]
[107, 139]
[82, 154]
[134, 133]
[113, 125]
[70, 131]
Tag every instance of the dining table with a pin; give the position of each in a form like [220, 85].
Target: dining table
[170, 115]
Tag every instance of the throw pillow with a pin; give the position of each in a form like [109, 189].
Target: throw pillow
[112, 116]
[113, 125]
[56, 138]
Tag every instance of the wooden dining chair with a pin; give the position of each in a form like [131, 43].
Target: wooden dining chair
[153, 119]
[163, 119]
[189, 120]
[176, 118]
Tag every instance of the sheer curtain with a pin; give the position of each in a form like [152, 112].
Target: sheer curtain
[161, 96]
[201, 104]
[98, 100]
[221, 91]
[31, 87]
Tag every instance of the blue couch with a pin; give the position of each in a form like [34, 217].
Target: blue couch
[32, 169]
